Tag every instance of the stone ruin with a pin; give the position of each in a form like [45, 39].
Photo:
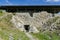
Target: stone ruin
[26, 23]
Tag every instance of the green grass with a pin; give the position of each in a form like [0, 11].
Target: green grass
[1, 13]
[41, 36]
[4, 34]
[46, 36]
[7, 28]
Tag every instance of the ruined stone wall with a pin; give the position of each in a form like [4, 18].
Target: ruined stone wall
[21, 19]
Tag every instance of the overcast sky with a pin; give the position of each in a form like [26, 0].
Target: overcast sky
[29, 2]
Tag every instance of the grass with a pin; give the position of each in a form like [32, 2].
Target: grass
[46, 36]
[1, 13]
[7, 28]
[41, 36]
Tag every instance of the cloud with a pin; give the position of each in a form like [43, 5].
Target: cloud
[48, 0]
[8, 3]
[52, 0]
[56, 0]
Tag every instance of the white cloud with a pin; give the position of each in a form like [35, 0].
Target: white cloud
[52, 0]
[8, 2]
[48, 0]
[56, 0]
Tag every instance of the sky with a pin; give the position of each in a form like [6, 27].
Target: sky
[29, 2]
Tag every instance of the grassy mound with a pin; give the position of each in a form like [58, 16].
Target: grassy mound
[7, 28]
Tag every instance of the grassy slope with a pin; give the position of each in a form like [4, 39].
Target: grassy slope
[47, 36]
[6, 28]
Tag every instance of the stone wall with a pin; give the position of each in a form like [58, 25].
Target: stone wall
[35, 22]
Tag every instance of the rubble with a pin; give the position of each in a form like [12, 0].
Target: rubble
[21, 19]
